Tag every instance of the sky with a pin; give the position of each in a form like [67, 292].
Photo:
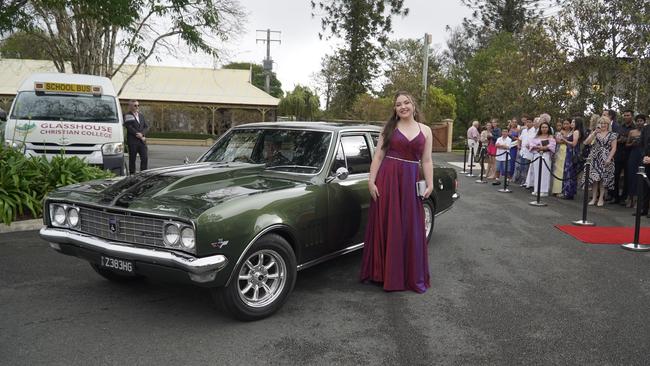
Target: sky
[299, 54]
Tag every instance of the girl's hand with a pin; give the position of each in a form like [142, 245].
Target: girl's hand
[427, 192]
[374, 192]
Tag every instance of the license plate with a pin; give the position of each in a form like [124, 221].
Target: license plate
[117, 264]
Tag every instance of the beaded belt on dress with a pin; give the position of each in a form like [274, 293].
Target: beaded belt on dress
[408, 161]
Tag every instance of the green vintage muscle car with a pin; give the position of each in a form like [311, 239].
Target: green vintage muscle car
[267, 200]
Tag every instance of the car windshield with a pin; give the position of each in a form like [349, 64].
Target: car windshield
[278, 149]
[65, 107]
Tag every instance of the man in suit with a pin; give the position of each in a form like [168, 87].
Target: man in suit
[136, 128]
[645, 142]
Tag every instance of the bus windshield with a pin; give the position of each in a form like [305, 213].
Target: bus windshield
[65, 107]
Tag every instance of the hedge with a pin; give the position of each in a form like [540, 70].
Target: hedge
[180, 135]
[24, 181]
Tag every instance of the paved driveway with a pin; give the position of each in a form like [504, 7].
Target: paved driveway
[507, 288]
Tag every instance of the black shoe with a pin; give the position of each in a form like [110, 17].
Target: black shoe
[643, 213]
[496, 183]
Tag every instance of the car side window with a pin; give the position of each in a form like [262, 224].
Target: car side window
[357, 154]
[375, 138]
[339, 159]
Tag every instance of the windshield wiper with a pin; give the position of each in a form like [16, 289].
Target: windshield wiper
[292, 167]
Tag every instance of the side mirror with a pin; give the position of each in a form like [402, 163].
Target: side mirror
[342, 173]
[3, 116]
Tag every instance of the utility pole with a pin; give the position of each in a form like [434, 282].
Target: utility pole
[425, 67]
[268, 62]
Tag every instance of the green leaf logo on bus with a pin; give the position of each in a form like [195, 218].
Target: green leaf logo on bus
[26, 127]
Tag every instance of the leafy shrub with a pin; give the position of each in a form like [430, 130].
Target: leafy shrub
[24, 181]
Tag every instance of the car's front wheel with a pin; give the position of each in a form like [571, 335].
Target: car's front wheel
[262, 281]
[429, 218]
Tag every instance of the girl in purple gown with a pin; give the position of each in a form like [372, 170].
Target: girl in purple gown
[572, 163]
[395, 250]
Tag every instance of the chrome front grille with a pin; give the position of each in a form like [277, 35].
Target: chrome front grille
[122, 227]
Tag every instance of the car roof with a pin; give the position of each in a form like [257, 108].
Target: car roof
[318, 125]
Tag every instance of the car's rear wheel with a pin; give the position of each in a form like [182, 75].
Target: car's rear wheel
[114, 276]
[429, 218]
[262, 281]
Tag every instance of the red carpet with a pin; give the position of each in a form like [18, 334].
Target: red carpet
[606, 234]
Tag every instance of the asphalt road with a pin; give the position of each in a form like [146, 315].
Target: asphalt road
[506, 288]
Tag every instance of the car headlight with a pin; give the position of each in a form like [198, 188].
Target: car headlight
[171, 234]
[187, 238]
[58, 215]
[113, 148]
[73, 217]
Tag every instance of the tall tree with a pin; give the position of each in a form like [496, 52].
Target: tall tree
[301, 104]
[364, 25]
[608, 45]
[258, 77]
[490, 17]
[89, 34]
[402, 68]
[24, 45]
[327, 78]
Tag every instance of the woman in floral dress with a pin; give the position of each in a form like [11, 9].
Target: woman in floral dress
[601, 175]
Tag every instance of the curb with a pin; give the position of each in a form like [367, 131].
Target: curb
[25, 225]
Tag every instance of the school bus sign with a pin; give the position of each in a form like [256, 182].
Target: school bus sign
[67, 88]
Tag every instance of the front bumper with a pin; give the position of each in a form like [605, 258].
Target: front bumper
[199, 270]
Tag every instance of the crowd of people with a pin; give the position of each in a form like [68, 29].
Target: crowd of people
[614, 150]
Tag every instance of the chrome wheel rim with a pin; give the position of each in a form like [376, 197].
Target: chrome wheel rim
[428, 219]
[262, 278]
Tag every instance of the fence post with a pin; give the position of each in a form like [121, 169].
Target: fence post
[480, 180]
[635, 246]
[471, 165]
[584, 221]
[505, 175]
[465, 159]
[539, 184]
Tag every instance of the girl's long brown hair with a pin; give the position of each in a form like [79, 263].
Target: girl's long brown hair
[391, 124]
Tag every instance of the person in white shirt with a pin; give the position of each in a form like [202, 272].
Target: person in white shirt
[503, 145]
[524, 156]
[472, 141]
[532, 132]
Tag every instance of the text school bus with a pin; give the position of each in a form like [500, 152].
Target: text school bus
[70, 114]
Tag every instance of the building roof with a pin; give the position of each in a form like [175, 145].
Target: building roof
[159, 83]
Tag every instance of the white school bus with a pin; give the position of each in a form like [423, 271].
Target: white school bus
[70, 114]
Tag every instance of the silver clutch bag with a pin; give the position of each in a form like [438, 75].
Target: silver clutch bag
[420, 187]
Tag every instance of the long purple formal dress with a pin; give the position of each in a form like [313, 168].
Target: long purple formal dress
[395, 250]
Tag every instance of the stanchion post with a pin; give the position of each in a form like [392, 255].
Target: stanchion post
[539, 184]
[480, 180]
[465, 159]
[505, 175]
[636, 247]
[471, 165]
[585, 198]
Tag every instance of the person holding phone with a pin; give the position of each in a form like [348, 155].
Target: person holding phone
[601, 174]
[542, 145]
